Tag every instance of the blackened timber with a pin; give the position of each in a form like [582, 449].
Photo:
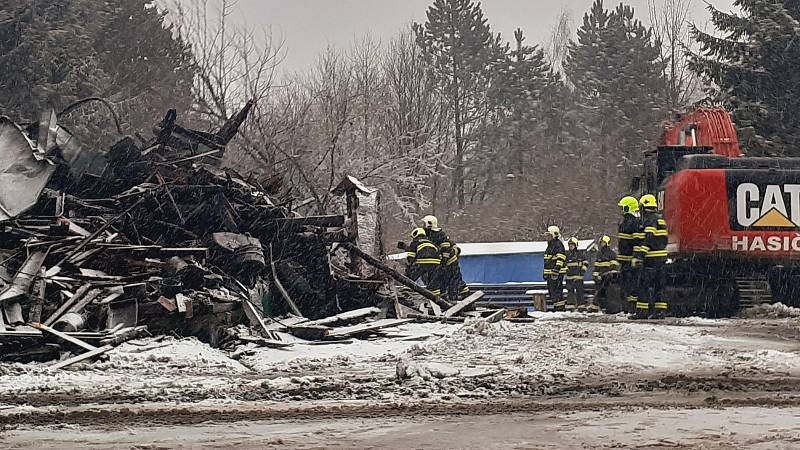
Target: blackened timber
[281, 289]
[98, 232]
[402, 279]
[35, 314]
[68, 304]
[82, 357]
[64, 337]
[334, 221]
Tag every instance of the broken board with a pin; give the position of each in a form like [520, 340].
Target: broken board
[366, 327]
[464, 304]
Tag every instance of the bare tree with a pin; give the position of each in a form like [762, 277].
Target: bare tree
[234, 63]
[671, 27]
[558, 43]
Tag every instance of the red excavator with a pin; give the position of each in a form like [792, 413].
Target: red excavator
[734, 220]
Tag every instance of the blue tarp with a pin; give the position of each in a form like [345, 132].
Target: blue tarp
[499, 269]
[509, 268]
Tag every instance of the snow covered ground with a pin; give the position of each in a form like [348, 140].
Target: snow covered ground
[560, 357]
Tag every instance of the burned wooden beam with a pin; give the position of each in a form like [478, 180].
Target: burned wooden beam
[67, 304]
[464, 304]
[366, 327]
[64, 337]
[82, 357]
[315, 221]
[399, 277]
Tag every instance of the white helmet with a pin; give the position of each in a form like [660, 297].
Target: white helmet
[552, 229]
[430, 222]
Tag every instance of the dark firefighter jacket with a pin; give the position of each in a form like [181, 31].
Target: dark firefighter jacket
[630, 235]
[605, 263]
[423, 252]
[576, 265]
[447, 248]
[555, 259]
[653, 248]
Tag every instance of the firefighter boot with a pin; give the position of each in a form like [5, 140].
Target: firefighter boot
[660, 310]
[642, 310]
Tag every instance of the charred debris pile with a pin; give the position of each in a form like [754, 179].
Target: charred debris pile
[153, 237]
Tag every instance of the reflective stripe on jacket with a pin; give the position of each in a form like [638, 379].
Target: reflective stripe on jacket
[555, 258]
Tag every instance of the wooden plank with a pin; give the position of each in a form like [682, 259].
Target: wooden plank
[464, 304]
[285, 323]
[64, 337]
[281, 289]
[93, 294]
[437, 310]
[496, 316]
[365, 327]
[67, 304]
[255, 318]
[265, 342]
[442, 319]
[399, 277]
[346, 316]
[110, 298]
[405, 311]
[82, 357]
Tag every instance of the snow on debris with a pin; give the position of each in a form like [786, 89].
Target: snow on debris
[773, 311]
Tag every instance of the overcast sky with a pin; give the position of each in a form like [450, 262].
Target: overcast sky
[308, 26]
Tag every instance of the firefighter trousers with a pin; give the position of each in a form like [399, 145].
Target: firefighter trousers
[575, 295]
[651, 292]
[555, 292]
[630, 278]
[454, 282]
[430, 274]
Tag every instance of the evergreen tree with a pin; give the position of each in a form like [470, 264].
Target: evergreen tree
[149, 68]
[615, 73]
[47, 56]
[754, 70]
[53, 52]
[461, 51]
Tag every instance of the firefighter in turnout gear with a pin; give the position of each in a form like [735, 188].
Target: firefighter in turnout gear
[453, 286]
[630, 233]
[576, 269]
[606, 266]
[424, 261]
[652, 252]
[555, 268]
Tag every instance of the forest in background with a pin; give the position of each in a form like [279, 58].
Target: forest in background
[496, 135]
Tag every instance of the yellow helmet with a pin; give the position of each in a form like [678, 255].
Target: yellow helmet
[573, 241]
[417, 232]
[605, 240]
[629, 204]
[552, 229]
[648, 201]
[430, 222]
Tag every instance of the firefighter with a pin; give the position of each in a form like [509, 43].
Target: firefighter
[606, 266]
[652, 255]
[629, 236]
[555, 268]
[576, 269]
[453, 287]
[424, 261]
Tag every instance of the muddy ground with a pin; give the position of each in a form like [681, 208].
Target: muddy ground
[565, 381]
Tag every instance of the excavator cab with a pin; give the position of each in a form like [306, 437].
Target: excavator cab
[660, 164]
